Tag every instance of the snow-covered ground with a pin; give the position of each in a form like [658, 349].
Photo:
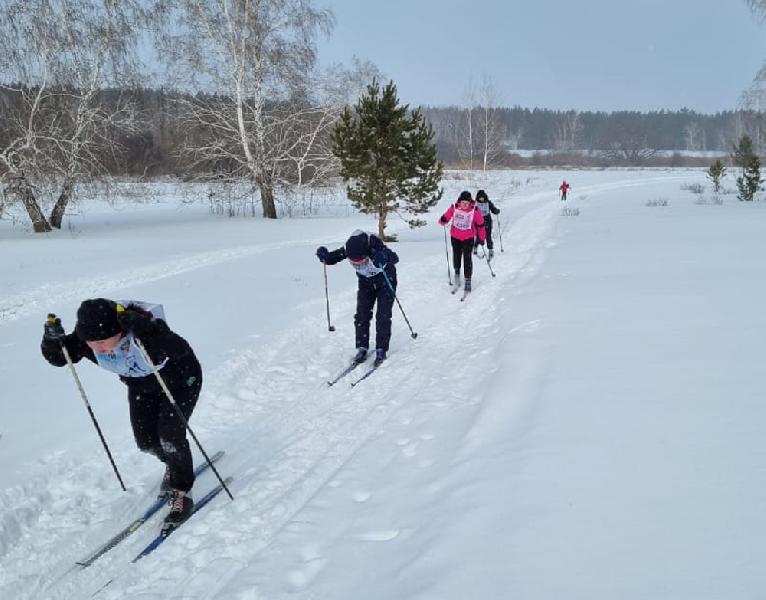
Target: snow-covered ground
[587, 425]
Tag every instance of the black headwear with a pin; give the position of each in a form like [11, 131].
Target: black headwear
[97, 320]
[358, 245]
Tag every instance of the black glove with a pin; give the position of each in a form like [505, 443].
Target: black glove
[481, 242]
[380, 258]
[497, 211]
[53, 332]
[442, 220]
[323, 253]
[133, 320]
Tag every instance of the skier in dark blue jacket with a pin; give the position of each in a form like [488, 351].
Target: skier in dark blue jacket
[370, 257]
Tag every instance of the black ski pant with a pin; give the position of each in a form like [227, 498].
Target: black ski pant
[371, 290]
[461, 252]
[159, 430]
[488, 230]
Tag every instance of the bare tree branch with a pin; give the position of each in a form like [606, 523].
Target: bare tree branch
[56, 61]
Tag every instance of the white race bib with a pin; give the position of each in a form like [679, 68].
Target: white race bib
[366, 269]
[126, 359]
[462, 220]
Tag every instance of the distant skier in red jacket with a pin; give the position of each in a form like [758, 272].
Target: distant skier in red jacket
[564, 188]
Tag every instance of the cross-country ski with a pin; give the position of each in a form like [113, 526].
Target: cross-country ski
[132, 527]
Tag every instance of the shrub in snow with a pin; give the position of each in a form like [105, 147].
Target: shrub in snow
[568, 211]
[714, 199]
[694, 188]
[658, 202]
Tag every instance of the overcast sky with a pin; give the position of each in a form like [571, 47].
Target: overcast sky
[587, 55]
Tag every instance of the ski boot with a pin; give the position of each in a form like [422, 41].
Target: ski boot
[380, 356]
[360, 356]
[181, 507]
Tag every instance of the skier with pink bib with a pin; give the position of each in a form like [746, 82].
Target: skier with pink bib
[467, 223]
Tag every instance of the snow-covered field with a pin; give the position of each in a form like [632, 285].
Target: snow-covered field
[587, 425]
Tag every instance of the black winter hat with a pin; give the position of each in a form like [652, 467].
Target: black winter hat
[465, 196]
[481, 194]
[97, 320]
[358, 245]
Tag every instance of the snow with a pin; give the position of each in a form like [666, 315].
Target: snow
[586, 425]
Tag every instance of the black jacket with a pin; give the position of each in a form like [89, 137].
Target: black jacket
[160, 342]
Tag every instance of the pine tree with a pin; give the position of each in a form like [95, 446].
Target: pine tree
[387, 156]
[749, 183]
[716, 173]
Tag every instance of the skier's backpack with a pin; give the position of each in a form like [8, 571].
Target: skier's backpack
[150, 308]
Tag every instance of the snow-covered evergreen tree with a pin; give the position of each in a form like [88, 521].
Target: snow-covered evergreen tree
[387, 156]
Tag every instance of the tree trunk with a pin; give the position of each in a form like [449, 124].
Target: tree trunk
[57, 214]
[267, 200]
[21, 187]
[382, 221]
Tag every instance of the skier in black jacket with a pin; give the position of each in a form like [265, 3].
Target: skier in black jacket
[487, 208]
[107, 337]
[371, 258]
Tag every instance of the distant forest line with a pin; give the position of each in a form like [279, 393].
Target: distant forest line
[481, 137]
[584, 138]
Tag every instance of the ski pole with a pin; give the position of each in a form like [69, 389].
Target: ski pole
[327, 299]
[486, 256]
[90, 410]
[446, 252]
[172, 401]
[500, 233]
[393, 291]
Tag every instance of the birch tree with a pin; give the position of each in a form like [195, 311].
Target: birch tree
[491, 137]
[254, 58]
[56, 60]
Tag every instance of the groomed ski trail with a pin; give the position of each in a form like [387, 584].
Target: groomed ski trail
[285, 433]
[289, 454]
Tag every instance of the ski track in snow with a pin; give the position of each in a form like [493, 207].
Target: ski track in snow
[287, 435]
